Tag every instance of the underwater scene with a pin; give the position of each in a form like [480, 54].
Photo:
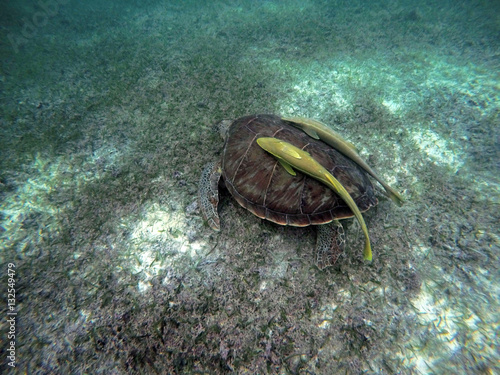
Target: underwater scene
[134, 239]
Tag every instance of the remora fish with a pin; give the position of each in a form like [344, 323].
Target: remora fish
[317, 130]
[291, 157]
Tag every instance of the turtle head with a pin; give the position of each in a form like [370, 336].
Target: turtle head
[222, 127]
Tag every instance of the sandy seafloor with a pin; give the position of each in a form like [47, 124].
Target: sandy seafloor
[106, 122]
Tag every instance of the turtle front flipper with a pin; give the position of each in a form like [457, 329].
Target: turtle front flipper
[208, 194]
[330, 244]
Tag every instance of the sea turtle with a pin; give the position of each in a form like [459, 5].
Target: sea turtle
[263, 185]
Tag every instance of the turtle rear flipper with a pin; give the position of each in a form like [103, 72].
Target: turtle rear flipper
[330, 244]
[208, 194]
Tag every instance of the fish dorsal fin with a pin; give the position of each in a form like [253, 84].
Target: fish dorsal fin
[288, 167]
[311, 133]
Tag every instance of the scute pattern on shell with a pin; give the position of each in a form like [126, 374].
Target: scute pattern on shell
[260, 184]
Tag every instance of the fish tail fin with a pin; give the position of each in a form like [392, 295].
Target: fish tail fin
[396, 198]
[367, 253]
